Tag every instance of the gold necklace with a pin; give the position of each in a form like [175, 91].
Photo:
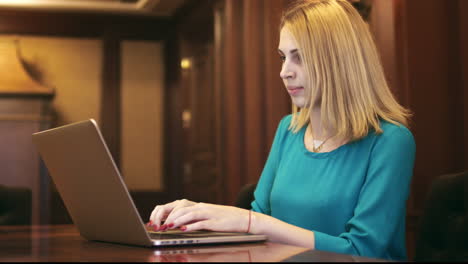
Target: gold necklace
[317, 149]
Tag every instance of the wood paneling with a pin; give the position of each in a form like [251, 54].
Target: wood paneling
[198, 93]
[277, 101]
[233, 111]
[431, 58]
[72, 24]
[172, 118]
[462, 9]
[254, 89]
[110, 98]
[254, 99]
[433, 81]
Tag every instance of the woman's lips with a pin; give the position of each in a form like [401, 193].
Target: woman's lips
[294, 90]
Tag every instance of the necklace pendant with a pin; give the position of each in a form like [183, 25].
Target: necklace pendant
[317, 149]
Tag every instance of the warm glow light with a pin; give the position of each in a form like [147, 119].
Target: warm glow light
[68, 4]
[185, 64]
[14, 2]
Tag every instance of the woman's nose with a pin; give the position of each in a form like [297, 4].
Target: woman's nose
[286, 73]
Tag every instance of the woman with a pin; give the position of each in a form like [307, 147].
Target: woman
[338, 174]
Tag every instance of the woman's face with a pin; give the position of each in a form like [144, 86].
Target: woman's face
[292, 70]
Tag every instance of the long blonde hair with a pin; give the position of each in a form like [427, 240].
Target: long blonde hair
[343, 68]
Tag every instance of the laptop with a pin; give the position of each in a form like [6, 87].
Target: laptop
[96, 196]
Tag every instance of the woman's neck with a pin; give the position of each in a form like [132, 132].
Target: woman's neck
[316, 127]
[316, 135]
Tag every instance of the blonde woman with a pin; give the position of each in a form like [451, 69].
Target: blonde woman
[338, 174]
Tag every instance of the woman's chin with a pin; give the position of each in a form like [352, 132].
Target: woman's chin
[298, 102]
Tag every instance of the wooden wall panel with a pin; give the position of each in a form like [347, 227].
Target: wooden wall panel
[431, 59]
[172, 118]
[254, 98]
[277, 100]
[462, 8]
[233, 111]
[110, 99]
[431, 90]
[75, 24]
[254, 89]
[455, 84]
[382, 21]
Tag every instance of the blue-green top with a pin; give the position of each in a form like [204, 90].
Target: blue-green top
[353, 198]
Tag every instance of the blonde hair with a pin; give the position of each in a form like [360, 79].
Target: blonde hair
[343, 67]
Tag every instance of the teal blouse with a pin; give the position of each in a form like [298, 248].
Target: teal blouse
[353, 198]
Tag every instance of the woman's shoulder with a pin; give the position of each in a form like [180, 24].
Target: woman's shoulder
[391, 129]
[286, 119]
[394, 133]
[283, 130]
[285, 122]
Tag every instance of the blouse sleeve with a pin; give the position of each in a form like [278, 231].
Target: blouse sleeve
[381, 207]
[261, 201]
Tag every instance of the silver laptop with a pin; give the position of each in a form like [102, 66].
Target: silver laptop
[96, 196]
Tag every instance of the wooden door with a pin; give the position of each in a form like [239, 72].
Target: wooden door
[201, 174]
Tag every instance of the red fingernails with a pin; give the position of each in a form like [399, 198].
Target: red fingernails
[183, 228]
[170, 225]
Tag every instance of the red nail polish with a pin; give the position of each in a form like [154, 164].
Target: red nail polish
[170, 225]
[183, 228]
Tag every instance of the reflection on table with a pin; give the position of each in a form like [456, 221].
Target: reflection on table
[63, 243]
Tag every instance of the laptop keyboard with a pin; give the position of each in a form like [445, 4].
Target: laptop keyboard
[181, 234]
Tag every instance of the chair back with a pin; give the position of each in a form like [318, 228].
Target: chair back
[15, 205]
[246, 196]
[443, 230]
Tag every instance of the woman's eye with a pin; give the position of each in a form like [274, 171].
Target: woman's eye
[297, 58]
[282, 58]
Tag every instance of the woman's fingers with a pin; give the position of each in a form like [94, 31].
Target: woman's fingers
[183, 215]
[162, 212]
[199, 225]
[213, 217]
[190, 216]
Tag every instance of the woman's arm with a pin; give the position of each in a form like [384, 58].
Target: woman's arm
[281, 232]
[376, 228]
[190, 216]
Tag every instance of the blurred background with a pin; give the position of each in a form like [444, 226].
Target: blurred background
[188, 95]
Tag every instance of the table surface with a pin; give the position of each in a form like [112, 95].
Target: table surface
[63, 243]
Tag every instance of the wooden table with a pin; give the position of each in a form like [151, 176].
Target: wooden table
[63, 243]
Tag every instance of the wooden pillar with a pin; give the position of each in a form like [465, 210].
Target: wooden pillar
[431, 61]
[110, 98]
[254, 99]
[254, 89]
[233, 135]
[462, 8]
[277, 100]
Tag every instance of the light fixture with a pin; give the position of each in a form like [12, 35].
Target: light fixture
[185, 63]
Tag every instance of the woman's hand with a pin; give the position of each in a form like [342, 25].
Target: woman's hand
[161, 212]
[190, 216]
